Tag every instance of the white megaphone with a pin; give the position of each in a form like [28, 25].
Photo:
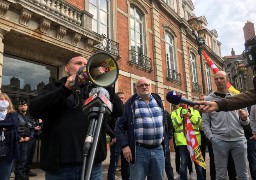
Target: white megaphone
[101, 69]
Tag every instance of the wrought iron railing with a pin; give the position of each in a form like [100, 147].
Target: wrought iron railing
[196, 87]
[173, 76]
[109, 46]
[140, 61]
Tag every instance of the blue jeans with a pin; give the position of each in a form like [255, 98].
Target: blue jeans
[251, 145]
[74, 173]
[114, 157]
[5, 168]
[184, 155]
[148, 162]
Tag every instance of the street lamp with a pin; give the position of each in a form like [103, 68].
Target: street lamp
[199, 33]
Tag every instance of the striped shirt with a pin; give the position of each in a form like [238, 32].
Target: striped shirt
[148, 122]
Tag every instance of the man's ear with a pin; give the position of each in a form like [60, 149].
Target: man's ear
[66, 68]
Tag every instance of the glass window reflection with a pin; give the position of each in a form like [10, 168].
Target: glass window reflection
[25, 79]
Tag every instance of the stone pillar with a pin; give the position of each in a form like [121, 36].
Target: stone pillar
[157, 53]
[2, 33]
[186, 65]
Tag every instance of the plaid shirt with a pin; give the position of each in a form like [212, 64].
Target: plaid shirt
[148, 122]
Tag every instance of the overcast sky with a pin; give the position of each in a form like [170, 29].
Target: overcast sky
[228, 17]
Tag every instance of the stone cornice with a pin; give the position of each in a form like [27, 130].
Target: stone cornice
[170, 10]
[61, 13]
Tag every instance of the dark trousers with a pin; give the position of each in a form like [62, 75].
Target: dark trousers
[20, 162]
[115, 152]
[184, 154]
[125, 170]
[177, 160]
[31, 152]
[251, 150]
[168, 166]
[205, 142]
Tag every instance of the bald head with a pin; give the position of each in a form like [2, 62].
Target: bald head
[221, 79]
[74, 64]
[221, 73]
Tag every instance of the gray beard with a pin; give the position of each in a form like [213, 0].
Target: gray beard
[145, 96]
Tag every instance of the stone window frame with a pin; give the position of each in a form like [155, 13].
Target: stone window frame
[144, 12]
[193, 67]
[168, 30]
[208, 77]
[109, 14]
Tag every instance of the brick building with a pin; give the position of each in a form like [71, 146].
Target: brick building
[156, 41]
[237, 66]
[148, 38]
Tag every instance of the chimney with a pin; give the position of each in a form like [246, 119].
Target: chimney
[249, 31]
[233, 53]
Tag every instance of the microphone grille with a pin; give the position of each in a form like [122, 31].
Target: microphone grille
[101, 90]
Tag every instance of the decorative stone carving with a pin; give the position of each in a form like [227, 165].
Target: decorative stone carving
[25, 16]
[44, 25]
[75, 39]
[89, 43]
[61, 31]
[4, 6]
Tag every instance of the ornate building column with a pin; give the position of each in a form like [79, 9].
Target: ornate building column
[185, 59]
[2, 33]
[157, 52]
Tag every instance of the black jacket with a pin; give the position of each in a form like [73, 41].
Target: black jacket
[65, 127]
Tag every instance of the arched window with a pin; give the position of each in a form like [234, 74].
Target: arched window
[170, 61]
[100, 11]
[193, 68]
[136, 25]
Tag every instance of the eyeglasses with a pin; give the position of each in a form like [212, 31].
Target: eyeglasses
[142, 85]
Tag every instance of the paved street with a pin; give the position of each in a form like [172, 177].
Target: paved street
[40, 173]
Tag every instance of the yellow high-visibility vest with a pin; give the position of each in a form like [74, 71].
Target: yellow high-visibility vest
[177, 121]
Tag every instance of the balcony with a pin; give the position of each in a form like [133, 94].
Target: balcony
[109, 46]
[196, 87]
[173, 76]
[140, 61]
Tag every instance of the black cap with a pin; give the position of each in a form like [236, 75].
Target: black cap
[22, 102]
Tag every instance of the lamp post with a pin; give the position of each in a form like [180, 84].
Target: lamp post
[199, 33]
[242, 72]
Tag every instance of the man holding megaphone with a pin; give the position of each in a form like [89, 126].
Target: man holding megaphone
[66, 125]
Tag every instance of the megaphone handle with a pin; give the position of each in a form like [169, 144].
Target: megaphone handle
[77, 92]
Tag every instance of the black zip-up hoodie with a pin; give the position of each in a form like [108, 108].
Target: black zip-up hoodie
[65, 127]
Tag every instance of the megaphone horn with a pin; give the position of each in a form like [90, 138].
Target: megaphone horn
[102, 69]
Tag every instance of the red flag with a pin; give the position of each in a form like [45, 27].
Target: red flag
[192, 143]
[215, 69]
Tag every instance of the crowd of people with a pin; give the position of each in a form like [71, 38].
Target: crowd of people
[140, 129]
[19, 132]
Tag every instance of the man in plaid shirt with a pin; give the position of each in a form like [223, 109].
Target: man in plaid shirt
[143, 144]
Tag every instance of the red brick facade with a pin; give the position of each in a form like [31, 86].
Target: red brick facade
[158, 19]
